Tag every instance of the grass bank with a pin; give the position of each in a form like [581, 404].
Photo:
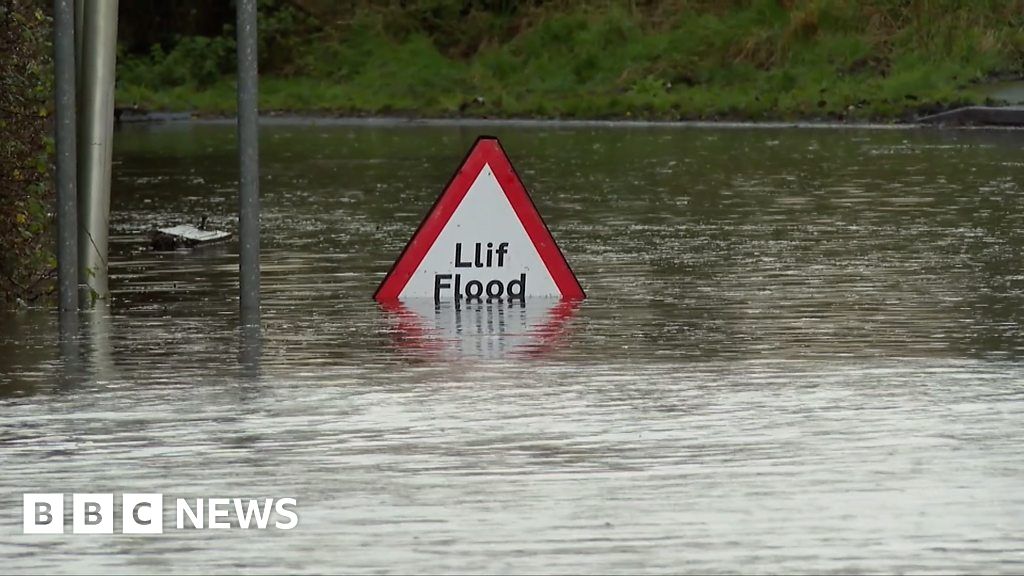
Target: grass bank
[671, 59]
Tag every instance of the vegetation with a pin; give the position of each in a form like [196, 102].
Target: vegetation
[26, 195]
[667, 59]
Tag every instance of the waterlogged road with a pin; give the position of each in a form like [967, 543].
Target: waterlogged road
[801, 352]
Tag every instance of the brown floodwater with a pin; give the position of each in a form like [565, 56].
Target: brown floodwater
[801, 351]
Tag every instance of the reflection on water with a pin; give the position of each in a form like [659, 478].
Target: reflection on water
[800, 351]
[480, 329]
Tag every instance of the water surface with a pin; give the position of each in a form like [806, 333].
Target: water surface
[801, 352]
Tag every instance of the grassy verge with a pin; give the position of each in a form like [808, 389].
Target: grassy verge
[735, 59]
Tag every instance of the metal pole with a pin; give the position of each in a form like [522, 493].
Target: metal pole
[96, 134]
[67, 223]
[79, 35]
[248, 160]
[251, 350]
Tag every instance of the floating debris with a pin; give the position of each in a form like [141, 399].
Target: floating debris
[186, 236]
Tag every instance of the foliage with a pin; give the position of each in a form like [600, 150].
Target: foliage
[198, 61]
[26, 195]
[751, 59]
[195, 61]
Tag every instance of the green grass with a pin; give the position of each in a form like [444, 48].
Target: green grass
[733, 59]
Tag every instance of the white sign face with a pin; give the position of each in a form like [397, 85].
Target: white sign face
[483, 252]
[482, 241]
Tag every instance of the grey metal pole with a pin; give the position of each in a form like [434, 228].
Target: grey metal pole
[248, 160]
[79, 34]
[96, 135]
[250, 350]
[67, 218]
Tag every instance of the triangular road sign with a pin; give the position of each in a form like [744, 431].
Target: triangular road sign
[483, 239]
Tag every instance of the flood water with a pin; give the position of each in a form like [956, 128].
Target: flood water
[801, 351]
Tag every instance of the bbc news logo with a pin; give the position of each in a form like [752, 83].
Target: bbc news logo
[144, 513]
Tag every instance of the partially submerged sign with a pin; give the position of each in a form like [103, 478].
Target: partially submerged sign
[482, 240]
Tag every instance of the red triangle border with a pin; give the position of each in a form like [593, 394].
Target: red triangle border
[485, 151]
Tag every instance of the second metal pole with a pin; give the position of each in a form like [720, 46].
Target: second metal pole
[95, 143]
[248, 160]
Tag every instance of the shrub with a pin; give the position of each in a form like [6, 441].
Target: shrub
[26, 72]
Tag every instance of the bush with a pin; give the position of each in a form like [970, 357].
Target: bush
[195, 61]
[26, 195]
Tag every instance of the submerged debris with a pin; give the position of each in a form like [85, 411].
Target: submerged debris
[979, 116]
